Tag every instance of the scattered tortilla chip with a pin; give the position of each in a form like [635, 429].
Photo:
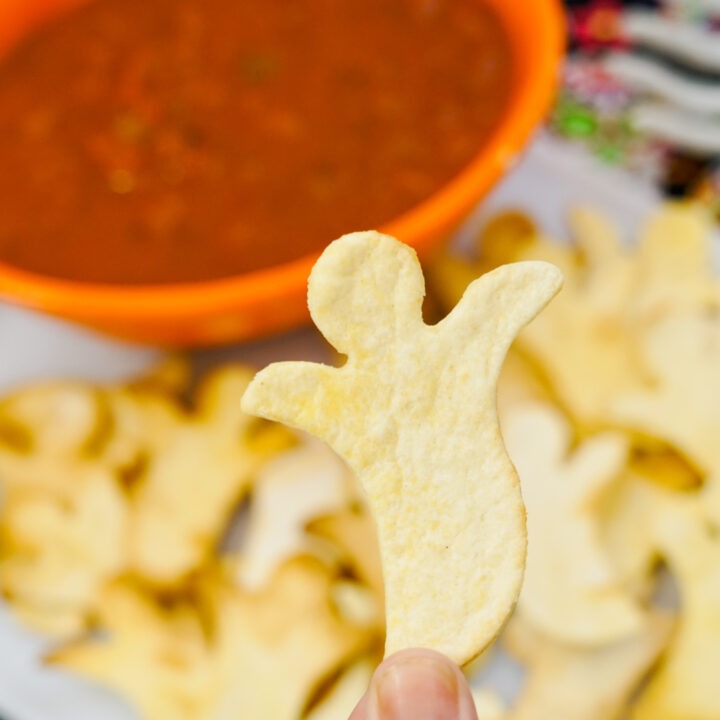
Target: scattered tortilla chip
[521, 381]
[505, 238]
[157, 657]
[61, 419]
[49, 621]
[60, 545]
[290, 490]
[509, 237]
[345, 694]
[571, 591]
[142, 423]
[191, 486]
[626, 522]
[674, 264]
[662, 464]
[488, 705]
[273, 649]
[449, 276]
[583, 333]
[571, 683]
[353, 532]
[413, 413]
[361, 606]
[224, 657]
[686, 686]
[681, 406]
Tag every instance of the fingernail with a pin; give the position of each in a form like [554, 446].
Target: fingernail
[420, 687]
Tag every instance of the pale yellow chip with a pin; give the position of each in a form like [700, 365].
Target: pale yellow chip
[59, 419]
[521, 381]
[222, 653]
[687, 686]
[626, 520]
[157, 657]
[413, 413]
[681, 405]
[675, 271]
[142, 423]
[60, 544]
[192, 483]
[571, 590]
[345, 694]
[303, 483]
[272, 650]
[449, 275]
[582, 342]
[663, 464]
[565, 682]
[509, 237]
[360, 606]
[54, 622]
[488, 705]
[353, 532]
[504, 238]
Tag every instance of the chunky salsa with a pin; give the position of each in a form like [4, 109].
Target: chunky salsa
[157, 141]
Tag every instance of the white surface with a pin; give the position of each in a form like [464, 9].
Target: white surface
[545, 183]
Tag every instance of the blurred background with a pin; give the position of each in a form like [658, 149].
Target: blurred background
[640, 90]
[166, 188]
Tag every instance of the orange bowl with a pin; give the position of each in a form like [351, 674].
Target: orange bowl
[273, 299]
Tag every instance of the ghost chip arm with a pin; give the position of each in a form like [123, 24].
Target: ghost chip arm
[298, 394]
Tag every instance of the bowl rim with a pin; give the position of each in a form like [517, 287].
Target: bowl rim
[530, 98]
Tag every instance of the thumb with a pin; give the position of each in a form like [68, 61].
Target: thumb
[417, 685]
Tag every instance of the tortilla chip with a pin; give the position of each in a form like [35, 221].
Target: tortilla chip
[571, 590]
[413, 413]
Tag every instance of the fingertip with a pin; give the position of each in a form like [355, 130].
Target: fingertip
[417, 684]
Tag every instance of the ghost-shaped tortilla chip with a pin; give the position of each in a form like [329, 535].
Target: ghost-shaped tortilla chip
[413, 413]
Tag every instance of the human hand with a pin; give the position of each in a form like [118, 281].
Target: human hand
[416, 685]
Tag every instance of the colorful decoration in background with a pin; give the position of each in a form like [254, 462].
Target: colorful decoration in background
[641, 89]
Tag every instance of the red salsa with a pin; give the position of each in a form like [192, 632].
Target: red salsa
[157, 141]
